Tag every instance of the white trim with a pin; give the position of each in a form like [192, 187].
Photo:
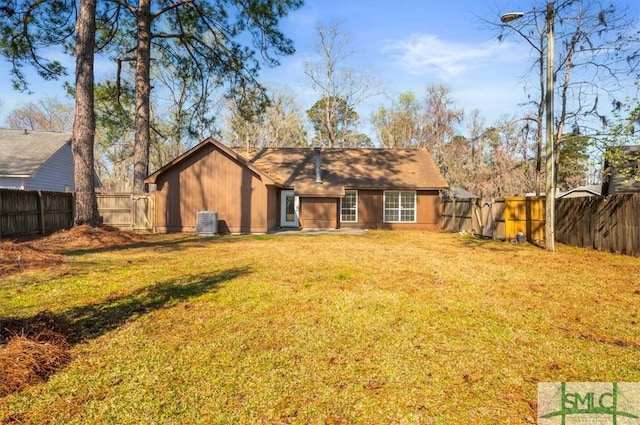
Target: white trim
[283, 207]
[400, 209]
[356, 207]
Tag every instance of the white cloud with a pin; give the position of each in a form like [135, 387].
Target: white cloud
[422, 54]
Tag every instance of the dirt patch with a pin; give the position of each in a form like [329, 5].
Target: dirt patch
[29, 252]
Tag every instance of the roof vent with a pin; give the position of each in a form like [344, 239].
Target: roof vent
[206, 223]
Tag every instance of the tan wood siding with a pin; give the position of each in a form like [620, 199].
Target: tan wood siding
[273, 207]
[371, 211]
[211, 181]
[319, 213]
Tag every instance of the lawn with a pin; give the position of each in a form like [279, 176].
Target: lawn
[384, 328]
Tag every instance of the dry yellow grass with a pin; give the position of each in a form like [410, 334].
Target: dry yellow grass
[391, 327]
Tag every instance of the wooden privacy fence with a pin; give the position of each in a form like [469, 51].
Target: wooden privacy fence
[500, 218]
[604, 223]
[25, 212]
[127, 211]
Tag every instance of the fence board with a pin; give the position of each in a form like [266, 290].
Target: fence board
[526, 215]
[126, 210]
[602, 223]
[458, 215]
[500, 218]
[25, 212]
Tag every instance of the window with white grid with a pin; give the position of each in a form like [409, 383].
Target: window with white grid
[399, 206]
[349, 207]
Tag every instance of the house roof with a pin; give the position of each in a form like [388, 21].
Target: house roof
[622, 175]
[340, 169]
[460, 193]
[588, 190]
[348, 168]
[209, 141]
[22, 152]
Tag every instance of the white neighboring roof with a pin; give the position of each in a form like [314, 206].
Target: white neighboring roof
[582, 191]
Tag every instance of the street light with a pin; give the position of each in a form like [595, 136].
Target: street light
[550, 183]
[511, 16]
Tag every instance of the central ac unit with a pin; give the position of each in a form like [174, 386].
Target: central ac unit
[206, 223]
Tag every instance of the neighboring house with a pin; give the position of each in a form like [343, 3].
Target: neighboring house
[36, 160]
[622, 176]
[261, 190]
[459, 193]
[582, 191]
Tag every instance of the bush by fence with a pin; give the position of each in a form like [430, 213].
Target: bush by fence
[27, 212]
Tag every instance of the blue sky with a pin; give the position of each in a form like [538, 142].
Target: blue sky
[403, 44]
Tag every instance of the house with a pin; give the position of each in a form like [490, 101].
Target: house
[622, 171]
[261, 190]
[457, 192]
[36, 160]
[581, 191]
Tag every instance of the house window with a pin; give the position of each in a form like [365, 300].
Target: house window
[349, 207]
[399, 206]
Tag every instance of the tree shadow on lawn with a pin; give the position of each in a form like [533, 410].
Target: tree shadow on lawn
[156, 246]
[177, 244]
[490, 244]
[31, 339]
[93, 320]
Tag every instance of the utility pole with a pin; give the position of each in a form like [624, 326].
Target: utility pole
[550, 149]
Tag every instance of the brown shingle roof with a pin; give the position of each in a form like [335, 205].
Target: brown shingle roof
[349, 168]
[340, 168]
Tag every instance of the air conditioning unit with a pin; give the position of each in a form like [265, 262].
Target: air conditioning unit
[206, 223]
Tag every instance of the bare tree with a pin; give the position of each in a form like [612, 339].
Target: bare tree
[397, 126]
[341, 88]
[280, 125]
[48, 114]
[594, 57]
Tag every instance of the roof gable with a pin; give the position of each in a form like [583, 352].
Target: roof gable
[152, 178]
[22, 153]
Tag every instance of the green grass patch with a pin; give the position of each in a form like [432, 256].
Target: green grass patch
[390, 327]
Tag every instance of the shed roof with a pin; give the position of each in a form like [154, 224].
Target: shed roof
[22, 152]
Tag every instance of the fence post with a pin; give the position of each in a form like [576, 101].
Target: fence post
[40, 213]
[453, 215]
[478, 214]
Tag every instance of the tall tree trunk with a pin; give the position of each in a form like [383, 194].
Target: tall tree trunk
[143, 91]
[84, 123]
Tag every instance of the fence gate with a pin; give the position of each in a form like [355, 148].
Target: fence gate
[127, 211]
